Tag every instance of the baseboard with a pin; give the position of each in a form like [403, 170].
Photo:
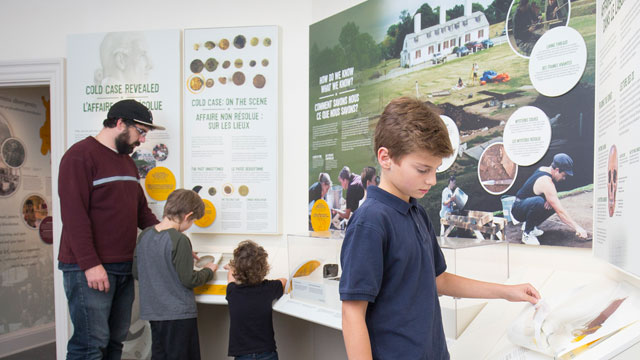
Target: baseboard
[21, 340]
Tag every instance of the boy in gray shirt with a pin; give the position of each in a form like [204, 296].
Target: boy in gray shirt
[163, 265]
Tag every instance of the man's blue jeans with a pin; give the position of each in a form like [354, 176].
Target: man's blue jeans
[100, 320]
[532, 211]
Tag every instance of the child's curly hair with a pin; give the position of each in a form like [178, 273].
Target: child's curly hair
[249, 263]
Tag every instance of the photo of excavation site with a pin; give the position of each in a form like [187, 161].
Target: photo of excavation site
[458, 62]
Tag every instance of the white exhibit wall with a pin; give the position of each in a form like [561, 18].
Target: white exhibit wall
[37, 29]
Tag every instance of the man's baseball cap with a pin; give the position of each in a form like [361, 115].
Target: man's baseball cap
[133, 110]
[563, 162]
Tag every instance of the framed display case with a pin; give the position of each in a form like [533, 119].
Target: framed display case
[485, 260]
[314, 276]
[314, 267]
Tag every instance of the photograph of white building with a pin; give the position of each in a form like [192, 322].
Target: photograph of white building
[422, 44]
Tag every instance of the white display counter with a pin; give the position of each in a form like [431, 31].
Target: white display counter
[313, 331]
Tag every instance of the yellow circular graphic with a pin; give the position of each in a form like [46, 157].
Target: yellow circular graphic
[209, 214]
[195, 83]
[243, 190]
[159, 183]
[320, 216]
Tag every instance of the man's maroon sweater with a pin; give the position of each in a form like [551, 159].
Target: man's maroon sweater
[102, 204]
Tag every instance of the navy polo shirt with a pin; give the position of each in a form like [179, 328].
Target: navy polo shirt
[390, 257]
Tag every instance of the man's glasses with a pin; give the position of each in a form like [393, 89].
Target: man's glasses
[142, 132]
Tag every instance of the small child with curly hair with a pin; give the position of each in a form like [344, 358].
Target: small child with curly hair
[250, 297]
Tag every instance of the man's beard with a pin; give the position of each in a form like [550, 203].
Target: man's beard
[122, 144]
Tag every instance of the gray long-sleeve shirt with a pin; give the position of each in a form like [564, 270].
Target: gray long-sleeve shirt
[163, 265]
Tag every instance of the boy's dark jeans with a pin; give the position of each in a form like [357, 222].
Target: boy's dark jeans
[262, 356]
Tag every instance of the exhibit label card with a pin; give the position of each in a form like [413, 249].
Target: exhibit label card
[617, 151]
[105, 68]
[230, 87]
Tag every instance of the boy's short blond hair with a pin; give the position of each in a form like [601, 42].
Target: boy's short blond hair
[181, 202]
[408, 125]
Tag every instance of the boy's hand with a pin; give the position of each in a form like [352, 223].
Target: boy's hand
[522, 292]
[226, 267]
[212, 266]
[195, 255]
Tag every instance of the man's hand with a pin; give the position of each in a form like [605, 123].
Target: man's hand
[547, 206]
[582, 233]
[97, 278]
[195, 255]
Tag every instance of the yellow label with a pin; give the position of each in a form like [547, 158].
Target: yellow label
[159, 183]
[209, 214]
[210, 289]
[320, 216]
[305, 269]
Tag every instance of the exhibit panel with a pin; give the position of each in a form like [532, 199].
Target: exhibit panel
[512, 80]
[616, 151]
[105, 68]
[230, 117]
[26, 222]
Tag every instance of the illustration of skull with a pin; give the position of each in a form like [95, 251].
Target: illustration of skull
[612, 179]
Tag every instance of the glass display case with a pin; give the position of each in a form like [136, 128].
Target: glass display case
[485, 260]
[314, 268]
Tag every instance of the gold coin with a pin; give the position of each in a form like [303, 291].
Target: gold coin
[254, 41]
[267, 41]
[243, 190]
[209, 45]
[265, 62]
[238, 63]
[224, 44]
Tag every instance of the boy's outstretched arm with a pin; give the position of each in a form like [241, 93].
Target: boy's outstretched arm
[354, 330]
[458, 286]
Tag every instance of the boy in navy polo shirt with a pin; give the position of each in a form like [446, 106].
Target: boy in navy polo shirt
[393, 268]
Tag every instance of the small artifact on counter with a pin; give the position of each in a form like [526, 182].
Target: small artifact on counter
[259, 81]
[224, 44]
[238, 63]
[266, 41]
[226, 64]
[329, 270]
[254, 41]
[211, 64]
[252, 63]
[265, 62]
[209, 83]
[222, 80]
[205, 260]
[212, 191]
[239, 41]
[196, 66]
[210, 45]
[238, 78]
